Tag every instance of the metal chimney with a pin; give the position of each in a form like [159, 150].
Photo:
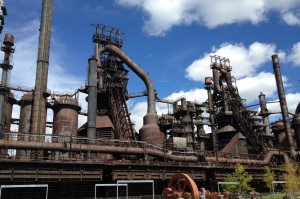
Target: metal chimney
[39, 111]
[8, 48]
[283, 105]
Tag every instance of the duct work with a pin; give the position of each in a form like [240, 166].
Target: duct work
[96, 149]
[150, 130]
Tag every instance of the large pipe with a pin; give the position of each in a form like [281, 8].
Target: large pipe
[265, 161]
[13, 144]
[212, 116]
[39, 111]
[283, 104]
[92, 98]
[150, 131]
[216, 76]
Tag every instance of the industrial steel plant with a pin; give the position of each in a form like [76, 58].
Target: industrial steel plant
[107, 149]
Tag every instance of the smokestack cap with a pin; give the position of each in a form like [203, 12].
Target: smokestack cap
[9, 40]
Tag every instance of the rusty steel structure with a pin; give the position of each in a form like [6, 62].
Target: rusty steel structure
[107, 147]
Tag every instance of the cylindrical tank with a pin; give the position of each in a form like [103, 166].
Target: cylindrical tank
[65, 119]
[65, 123]
[24, 122]
[278, 129]
[9, 40]
[9, 106]
[25, 112]
[296, 125]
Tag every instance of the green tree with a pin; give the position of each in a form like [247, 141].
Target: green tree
[242, 177]
[291, 177]
[269, 177]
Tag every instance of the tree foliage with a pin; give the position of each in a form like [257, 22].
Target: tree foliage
[242, 177]
[291, 177]
[269, 177]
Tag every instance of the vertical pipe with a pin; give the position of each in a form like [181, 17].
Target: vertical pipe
[39, 111]
[264, 113]
[7, 48]
[283, 105]
[3, 98]
[183, 104]
[92, 98]
[212, 121]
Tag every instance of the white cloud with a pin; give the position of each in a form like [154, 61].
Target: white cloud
[139, 110]
[282, 6]
[250, 87]
[162, 15]
[291, 18]
[244, 61]
[292, 100]
[23, 72]
[194, 95]
[294, 56]
[223, 12]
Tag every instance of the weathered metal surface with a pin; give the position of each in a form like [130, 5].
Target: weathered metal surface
[65, 118]
[26, 103]
[181, 185]
[96, 148]
[165, 146]
[39, 111]
[283, 104]
[154, 174]
[92, 98]
[9, 108]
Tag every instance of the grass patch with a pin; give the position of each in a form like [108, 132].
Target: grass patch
[276, 196]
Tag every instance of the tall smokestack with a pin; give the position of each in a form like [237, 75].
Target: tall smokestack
[283, 105]
[39, 111]
[6, 65]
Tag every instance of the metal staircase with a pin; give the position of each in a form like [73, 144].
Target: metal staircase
[243, 122]
[119, 114]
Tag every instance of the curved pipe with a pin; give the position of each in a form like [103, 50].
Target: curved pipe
[216, 76]
[169, 101]
[265, 161]
[140, 72]
[139, 94]
[14, 144]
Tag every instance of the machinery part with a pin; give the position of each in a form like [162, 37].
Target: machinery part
[181, 186]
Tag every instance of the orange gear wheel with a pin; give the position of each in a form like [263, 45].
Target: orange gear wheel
[181, 186]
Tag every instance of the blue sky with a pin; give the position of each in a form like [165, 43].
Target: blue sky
[170, 39]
